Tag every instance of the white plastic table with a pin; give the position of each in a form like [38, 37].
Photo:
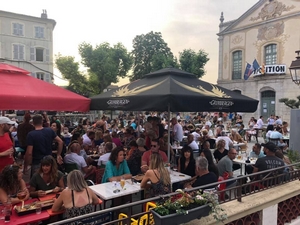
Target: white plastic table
[106, 190]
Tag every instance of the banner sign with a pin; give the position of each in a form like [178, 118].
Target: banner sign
[270, 70]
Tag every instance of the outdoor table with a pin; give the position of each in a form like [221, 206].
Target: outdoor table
[176, 148]
[238, 145]
[286, 138]
[29, 218]
[243, 162]
[105, 190]
[178, 177]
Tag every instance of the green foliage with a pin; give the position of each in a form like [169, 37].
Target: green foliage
[193, 62]
[150, 53]
[182, 202]
[69, 69]
[105, 65]
[291, 103]
[294, 157]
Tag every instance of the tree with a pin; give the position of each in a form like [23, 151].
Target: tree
[193, 62]
[69, 69]
[150, 53]
[291, 103]
[105, 65]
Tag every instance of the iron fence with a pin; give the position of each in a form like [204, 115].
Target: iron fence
[245, 185]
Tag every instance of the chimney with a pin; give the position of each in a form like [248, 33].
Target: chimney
[44, 14]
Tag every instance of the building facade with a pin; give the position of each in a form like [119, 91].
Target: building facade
[268, 32]
[27, 42]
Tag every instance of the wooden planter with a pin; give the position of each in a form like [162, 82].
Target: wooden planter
[175, 219]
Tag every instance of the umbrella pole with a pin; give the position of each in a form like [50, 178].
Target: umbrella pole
[169, 137]
[138, 124]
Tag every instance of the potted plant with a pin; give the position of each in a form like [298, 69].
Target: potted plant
[184, 207]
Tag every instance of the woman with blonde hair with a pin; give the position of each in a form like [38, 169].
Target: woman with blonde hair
[78, 199]
[158, 175]
[98, 137]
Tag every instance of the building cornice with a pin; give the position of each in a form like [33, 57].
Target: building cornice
[26, 17]
[259, 24]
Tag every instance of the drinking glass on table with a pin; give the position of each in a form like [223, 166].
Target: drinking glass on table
[175, 167]
[21, 196]
[7, 212]
[122, 182]
[38, 208]
[115, 186]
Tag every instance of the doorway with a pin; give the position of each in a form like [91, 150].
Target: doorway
[267, 103]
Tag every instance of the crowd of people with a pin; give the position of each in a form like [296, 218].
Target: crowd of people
[128, 145]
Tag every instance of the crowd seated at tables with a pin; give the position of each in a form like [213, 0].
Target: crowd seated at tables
[123, 153]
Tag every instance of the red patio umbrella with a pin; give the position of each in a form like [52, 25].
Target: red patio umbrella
[20, 91]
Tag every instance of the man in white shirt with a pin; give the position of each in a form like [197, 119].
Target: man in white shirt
[196, 134]
[260, 122]
[208, 123]
[74, 157]
[88, 138]
[191, 142]
[177, 131]
[104, 158]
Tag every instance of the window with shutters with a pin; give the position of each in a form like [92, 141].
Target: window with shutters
[42, 76]
[39, 32]
[39, 54]
[18, 52]
[18, 29]
[271, 54]
[237, 65]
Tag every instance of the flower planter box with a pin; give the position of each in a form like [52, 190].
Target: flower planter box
[174, 219]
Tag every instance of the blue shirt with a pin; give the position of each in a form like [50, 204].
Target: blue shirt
[253, 154]
[275, 135]
[133, 125]
[112, 171]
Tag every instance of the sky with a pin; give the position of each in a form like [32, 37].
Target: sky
[184, 24]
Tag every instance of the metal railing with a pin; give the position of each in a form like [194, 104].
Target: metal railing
[245, 185]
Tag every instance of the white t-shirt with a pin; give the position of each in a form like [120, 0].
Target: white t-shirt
[227, 140]
[210, 133]
[103, 159]
[178, 132]
[208, 123]
[260, 123]
[196, 136]
[75, 158]
[194, 145]
[86, 140]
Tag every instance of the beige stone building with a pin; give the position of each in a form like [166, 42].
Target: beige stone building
[270, 33]
[27, 42]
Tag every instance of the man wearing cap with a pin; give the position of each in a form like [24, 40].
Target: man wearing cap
[6, 144]
[270, 161]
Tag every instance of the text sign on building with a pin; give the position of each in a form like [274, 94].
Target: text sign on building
[271, 69]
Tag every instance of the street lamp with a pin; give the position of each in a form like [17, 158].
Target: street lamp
[295, 69]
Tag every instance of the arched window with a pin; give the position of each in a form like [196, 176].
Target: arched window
[271, 54]
[237, 65]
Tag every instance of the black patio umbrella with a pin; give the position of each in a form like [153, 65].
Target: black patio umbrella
[173, 90]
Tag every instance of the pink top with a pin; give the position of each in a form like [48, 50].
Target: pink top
[117, 141]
